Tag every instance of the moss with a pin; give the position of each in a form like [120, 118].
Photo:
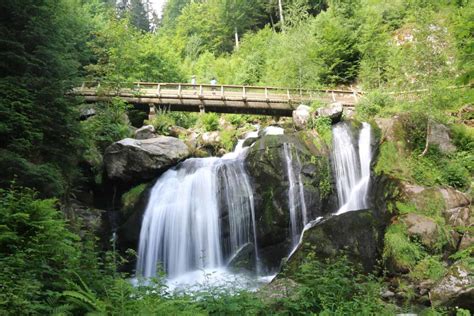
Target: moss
[325, 181]
[228, 139]
[399, 252]
[429, 268]
[130, 198]
[390, 163]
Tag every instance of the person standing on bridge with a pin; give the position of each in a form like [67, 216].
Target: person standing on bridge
[193, 80]
[213, 83]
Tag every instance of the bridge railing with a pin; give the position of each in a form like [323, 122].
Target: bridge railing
[184, 90]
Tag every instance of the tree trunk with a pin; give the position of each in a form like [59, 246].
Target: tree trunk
[427, 144]
[282, 21]
[236, 38]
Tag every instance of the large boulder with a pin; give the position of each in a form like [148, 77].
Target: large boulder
[132, 160]
[423, 228]
[301, 116]
[358, 233]
[333, 111]
[456, 287]
[268, 171]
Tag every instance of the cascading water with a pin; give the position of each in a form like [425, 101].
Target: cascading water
[296, 201]
[181, 228]
[351, 166]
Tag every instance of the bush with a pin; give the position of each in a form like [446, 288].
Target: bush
[184, 120]
[209, 122]
[334, 287]
[37, 253]
[323, 126]
[456, 176]
[399, 252]
[162, 122]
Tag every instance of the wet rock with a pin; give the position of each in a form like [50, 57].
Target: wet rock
[244, 258]
[86, 113]
[438, 134]
[362, 239]
[455, 288]
[145, 132]
[267, 169]
[301, 116]
[132, 160]
[422, 227]
[333, 111]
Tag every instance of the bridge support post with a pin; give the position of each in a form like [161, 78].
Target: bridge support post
[152, 113]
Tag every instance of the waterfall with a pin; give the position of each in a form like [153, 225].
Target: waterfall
[351, 166]
[181, 228]
[296, 201]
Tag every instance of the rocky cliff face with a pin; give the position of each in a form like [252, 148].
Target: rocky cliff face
[267, 169]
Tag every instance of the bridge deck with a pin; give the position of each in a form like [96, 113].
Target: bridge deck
[214, 98]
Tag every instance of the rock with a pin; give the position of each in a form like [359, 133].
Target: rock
[387, 127]
[459, 216]
[178, 131]
[145, 132]
[267, 169]
[362, 239]
[278, 289]
[301, 116]
[86, 113]
[438, 134]
[454, 198]
[333, 111]
[467, 240]
[455, 288]
[244, 258]
[132, 160]
[387, 294]
[210, 139]
[423, 227]
[89, 218]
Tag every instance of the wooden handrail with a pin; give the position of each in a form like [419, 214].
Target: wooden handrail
[264, 89]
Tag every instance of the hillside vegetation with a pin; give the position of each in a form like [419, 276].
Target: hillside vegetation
[413, 59]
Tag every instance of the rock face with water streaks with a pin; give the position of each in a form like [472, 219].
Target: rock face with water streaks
[140, 160]
[267, 167]
[359, 234]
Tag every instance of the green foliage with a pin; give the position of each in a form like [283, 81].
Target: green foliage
[399, 252]
[162, 122]
[209, 122]
[323, 127]
[37, 252]
[109, 125]
[334, 287]
[228, 139]
[184, 119]
[430, 267]
[131, 197]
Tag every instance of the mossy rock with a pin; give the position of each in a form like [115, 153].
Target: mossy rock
[358, 234]
[268, 171]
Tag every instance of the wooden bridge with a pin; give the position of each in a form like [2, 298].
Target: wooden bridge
[213, 98]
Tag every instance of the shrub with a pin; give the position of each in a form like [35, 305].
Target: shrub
[429, 267]
[334, 287]
[37, 252]
[184, 120]
[162, 122]
[323, 126]
[399, 252]
[209, 122]
[455, 175]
